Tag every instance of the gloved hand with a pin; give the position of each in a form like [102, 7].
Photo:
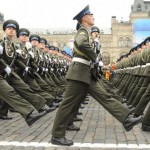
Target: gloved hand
[27, 69]
[8, 70]
[52, 69]
[37, 70]
[46, 70]
[32, 54]
[95, 72]
[43, 69]
[18, 51]
[1, 50]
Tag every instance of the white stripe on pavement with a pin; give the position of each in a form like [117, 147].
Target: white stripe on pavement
[90, 145]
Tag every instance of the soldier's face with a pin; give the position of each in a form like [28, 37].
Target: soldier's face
[23, 38]
[34, 43]
[10, 32]
[95, 35]
[89, 19]
[42, 45]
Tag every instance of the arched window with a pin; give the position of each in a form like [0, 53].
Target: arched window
[120, 42]
[127, 42]
[139, 7]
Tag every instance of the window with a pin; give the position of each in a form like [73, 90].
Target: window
[127, 42]
[139, 7]
[121, 42]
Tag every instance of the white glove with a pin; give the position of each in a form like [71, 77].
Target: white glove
[43, 69]
[31, 53]
[41, 56]
[8, 70]
[52, 69]
[28, 45]
[1, 50]
[46, 69]
[26, 69]
[37, 70]
[96, 40]
[18, 51]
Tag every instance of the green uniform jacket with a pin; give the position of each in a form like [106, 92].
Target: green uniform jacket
[79, 71]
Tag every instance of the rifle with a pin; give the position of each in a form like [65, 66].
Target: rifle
[27, 64]
[42, 73]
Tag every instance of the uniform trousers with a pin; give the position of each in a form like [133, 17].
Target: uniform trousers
[10, 96]
[145, 99]
[24, 91]
[35, 87]
[74, 94]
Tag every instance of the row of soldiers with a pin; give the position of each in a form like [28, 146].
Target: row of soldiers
[32, 74]
[132, 80]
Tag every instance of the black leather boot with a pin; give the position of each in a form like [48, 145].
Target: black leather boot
[145, 127]
[77, 119]
[130, 121]
[32, 118]
[5, 117]
[61, 141]
[72, 127]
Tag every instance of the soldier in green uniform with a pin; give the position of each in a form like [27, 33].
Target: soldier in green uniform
[8, 76]
[51, 72]
[143, 99]
[80, 81]
[24, 70]
[37, 69]
[14, 80]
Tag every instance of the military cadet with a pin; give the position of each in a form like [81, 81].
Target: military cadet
[24, 70]
[10, 81]
[143, 98]
[16, 82]
[51, 72]
[37, 69]
[43, 69]
[143, 79]
[95, 33]
[80, 82]
[56, 70]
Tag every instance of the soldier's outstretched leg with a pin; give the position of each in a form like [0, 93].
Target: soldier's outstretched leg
[9, 95]
[113, 106]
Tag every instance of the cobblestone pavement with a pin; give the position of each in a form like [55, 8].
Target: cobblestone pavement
[99, 130]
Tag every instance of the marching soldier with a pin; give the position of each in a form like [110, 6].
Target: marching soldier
[24, 70]
[81, 81]
[43, 69]
[10, 81]
[36, 66]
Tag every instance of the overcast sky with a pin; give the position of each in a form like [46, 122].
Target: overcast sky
[59, 13]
